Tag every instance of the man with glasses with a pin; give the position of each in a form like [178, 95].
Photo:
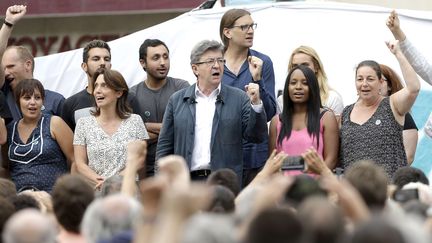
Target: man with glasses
[206, 122]
[150, 97]
[243, 66]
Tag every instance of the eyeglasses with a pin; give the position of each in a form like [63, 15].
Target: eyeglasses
[246, 27]
[211, 62]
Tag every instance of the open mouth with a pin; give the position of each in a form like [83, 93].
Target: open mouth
[162, 70]
[9, 79]
[100, 98]
[216, 74]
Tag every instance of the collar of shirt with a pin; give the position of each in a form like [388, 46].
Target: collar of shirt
[213, 94]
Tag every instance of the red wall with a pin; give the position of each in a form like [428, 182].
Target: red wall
[37, 7]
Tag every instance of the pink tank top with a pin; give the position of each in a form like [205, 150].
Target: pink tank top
[299, 141]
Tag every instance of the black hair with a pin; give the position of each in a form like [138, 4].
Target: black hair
[372, 64]
[146, 44]
[407, 174]
[313, 106]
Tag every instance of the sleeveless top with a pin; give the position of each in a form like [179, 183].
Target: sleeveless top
[38, 162]
[379, 139]
[300, 141]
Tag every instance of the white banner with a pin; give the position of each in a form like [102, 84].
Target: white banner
[343, 35]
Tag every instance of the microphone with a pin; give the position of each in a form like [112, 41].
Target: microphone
[219, 99]
[192, 100]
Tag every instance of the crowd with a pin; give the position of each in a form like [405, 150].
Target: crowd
[166, 161]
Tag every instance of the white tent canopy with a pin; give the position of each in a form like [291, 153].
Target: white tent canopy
[343, 35]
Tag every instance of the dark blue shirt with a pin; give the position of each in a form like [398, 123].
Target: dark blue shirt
[255, 155]
[38, 162]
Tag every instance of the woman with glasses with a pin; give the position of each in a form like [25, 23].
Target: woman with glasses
[100, 139]
[391, 85]
[40, 145]
[371, 128]
[243, 66]
[304, 123]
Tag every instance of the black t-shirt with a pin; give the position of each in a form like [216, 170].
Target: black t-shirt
[409, 122]
[77, 106]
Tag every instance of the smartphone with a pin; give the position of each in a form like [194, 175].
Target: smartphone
[405, 195]
[293, 163]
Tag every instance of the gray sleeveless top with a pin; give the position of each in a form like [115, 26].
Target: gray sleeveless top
[379, 139]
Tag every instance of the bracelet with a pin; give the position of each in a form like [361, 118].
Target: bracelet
[10, 25]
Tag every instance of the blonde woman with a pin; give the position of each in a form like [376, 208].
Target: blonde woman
[305, 55]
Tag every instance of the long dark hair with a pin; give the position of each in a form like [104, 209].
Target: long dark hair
[313, 106]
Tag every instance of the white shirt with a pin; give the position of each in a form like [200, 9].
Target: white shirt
[204, 112]
[205, 107]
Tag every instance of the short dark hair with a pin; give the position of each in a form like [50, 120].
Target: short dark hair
[372, 64]
[6, 210]
[275, 225]
[28, 87]
[371, 182]
[70, 196]
[114, 80]
[225, 177]
[23, 201]
[304, 186]
[407, 174]
[377, 230]
[7, 188]
[152, 43]
[94, 44]
[222, 200]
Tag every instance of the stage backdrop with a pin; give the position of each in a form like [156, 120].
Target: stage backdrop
[343, 35]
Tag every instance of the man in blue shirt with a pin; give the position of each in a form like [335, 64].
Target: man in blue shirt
[243, 66]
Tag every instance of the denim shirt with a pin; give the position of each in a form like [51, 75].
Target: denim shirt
[255, 155]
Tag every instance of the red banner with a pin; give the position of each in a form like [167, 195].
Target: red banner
[57, 7]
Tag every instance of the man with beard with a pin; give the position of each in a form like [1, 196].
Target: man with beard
[96, 54]
[18, 64]
[151, 96]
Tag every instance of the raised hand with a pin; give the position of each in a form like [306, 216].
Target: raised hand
[393, 24]
[175, 168]
[15, 13]
[255, 67]
[314, 163]
[274, 163]
[393, 46]
[252, 90]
